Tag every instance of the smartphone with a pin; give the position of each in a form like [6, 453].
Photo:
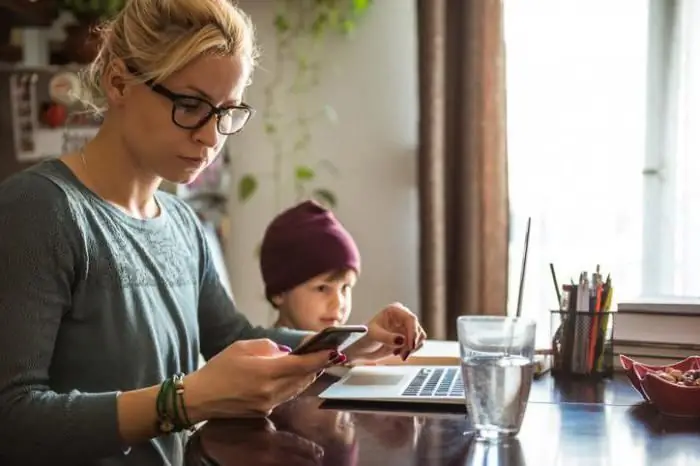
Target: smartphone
[329, 338]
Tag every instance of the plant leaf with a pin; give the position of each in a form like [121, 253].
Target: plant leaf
[325, 196]
[247, 186]
[270, 128]
[361, 4]
[348, 26]
[281, 23]
[304, 173]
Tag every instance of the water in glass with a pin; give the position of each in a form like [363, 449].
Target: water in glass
[497, 359]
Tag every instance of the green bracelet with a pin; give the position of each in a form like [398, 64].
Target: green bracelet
[179, 383]
[171, 395]
[165, 423]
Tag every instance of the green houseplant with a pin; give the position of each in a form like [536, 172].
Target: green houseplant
[82, 40]
[91, 11]
[302, 29]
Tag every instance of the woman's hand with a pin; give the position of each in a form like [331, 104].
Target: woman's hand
[394, 330]
[250, 378]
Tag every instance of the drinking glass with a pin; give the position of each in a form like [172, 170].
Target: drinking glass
[497, 359]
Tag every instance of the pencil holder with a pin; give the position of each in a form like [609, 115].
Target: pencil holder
[582, 343]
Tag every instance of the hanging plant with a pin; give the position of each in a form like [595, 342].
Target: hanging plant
[82, 40]
[91, 11]
[302, 29]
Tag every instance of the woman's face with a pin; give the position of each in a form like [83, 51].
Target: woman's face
[145, 113]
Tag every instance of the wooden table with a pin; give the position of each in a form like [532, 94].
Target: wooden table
[572, 423]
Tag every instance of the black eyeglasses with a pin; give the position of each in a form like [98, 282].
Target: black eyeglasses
[191, 112]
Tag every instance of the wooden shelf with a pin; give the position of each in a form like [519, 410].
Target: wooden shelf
[28, 13]
[10, 53]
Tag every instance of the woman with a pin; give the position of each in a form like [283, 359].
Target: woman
[108, 291]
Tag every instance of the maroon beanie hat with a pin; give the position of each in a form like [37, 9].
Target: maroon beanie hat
[302, 242]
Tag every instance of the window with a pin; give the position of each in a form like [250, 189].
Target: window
[675, 171]
[577, 91]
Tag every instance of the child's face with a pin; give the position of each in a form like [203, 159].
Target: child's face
[324, 301]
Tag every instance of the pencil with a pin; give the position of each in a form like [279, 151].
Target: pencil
[556, 284]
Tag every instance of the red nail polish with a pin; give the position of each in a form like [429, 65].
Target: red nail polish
[340, 359]
[398, 340]
[284, 348]
[397, 351]
[332, 356]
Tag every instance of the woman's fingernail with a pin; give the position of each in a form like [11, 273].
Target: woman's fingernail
[340, 359]
[332, 356]
[398, 340]
[405, 355]
[285, 348]
[397, 351]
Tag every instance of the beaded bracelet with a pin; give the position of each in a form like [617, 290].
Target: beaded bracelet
[179, 400]
[170, 406]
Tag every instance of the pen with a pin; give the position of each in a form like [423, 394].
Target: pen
[607, 300]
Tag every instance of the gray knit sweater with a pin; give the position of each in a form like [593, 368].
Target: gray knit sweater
[92, 302]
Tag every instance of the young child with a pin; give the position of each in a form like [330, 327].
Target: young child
[309, 264]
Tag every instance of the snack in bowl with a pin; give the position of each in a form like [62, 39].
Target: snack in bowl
[687, 378]
[673, 389]
[692, 362]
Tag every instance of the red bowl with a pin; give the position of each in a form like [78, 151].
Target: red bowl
[668, 397]
[628, 363]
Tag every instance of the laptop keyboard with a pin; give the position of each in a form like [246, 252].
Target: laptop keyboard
[436, 382]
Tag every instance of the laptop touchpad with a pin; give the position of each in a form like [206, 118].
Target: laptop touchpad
[373, 379]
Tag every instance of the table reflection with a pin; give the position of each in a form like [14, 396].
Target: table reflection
[581, 431]
[230, 442]
[504, 453]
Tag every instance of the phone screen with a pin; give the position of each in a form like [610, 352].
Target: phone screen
[329, 338]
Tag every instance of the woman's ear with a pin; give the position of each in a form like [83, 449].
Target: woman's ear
[115, 82]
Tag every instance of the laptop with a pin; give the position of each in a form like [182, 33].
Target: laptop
[439, 384]
[413, 384]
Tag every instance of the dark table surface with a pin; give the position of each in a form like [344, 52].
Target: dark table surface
[572, 423]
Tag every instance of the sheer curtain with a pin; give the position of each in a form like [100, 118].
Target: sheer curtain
[683, 151]
[576, 98]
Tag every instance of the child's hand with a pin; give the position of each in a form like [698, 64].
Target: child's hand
[394, 330]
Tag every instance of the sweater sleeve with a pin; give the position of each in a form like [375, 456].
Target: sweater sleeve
[39, 254]
[220, 323]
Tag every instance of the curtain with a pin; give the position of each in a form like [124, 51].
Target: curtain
[462, 176]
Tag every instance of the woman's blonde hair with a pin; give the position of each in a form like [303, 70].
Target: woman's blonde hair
[159, 37]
